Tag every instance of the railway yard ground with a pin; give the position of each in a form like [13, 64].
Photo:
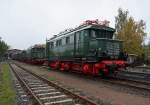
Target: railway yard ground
[97, 90]
[94, 89]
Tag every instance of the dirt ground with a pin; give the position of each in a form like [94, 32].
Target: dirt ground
[98, 89]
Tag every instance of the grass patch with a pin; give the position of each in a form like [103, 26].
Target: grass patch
[7, 93]
[51, 78]
[49, 68]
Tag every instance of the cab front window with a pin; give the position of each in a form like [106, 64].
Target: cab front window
[96, 33]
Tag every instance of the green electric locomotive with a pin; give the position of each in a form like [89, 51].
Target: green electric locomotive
[36, 54]
[89, 48]
[33, 55]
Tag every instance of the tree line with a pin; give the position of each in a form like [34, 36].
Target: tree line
[3, 47]
[132, 33]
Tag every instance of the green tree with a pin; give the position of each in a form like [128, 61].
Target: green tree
[149, 43]
[131, 32]
[147, 51]
[3, 47]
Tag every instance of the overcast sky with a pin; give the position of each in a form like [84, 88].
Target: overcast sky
[26, 22]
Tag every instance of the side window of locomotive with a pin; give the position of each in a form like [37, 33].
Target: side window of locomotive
[68, 40]
[77, 37]
[72, 38]
[63, 41]
[110, 34]
[60, 42]
[86, 33]
[102, 34]
[51, 45]
[93, 34]
[106, 34]
[57, 43]
[82, 35]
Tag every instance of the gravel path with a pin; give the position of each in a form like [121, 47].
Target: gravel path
[101, 91]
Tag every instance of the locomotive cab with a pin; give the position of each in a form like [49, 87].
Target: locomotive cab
[105, 50]
[101, 42]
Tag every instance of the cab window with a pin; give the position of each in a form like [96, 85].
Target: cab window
[97, 33]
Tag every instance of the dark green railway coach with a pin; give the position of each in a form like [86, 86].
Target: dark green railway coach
[88, 48]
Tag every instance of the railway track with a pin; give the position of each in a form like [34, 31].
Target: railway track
[44, 92]
[134, 76]
[135, 80]
[135, 84]
[130, 79]
[143, 67]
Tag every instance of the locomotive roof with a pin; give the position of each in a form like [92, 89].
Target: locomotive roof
[37, 46]
[83, 27]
